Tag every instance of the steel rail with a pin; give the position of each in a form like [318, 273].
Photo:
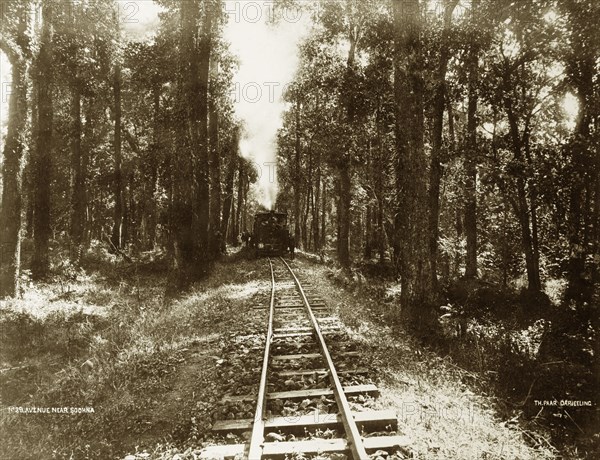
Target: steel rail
[255, 448]
[354, 439]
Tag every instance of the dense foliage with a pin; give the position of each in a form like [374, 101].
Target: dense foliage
[107, 142]
[470, 127]
[454, 146]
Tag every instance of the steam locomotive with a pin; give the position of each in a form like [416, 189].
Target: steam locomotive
[270, 234]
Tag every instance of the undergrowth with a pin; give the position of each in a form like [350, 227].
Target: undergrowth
[104, 337]
[501, 344]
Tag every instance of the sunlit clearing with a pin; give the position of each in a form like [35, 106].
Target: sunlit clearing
[571, 107]
[243, 291]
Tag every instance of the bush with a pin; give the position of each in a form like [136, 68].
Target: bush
[64, 334]
[20, 333]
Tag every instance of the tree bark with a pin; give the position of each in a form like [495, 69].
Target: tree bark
[237, 227]
[435, 170]
[344, 163]
[79, 198]
[316, 204]
[345, 186]
[29, 172]
[520, 204]
[580, 67]
[42, 153]
[229, 184]
[324, 197]
[12, 172]
[215, 164]
[198, 110]
[411, 208]
[369, 232]
[297, 173]
[471, 158]
[151, 207]
[117, 230]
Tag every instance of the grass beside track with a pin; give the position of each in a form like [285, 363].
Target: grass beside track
[106, 339]
[154, 371]
[439, 407]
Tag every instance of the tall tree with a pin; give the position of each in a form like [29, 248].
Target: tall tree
[117, 234]
[435, 170]
[297, 171]
[471, 153]
[231, 167]
[349, 100]
[79, 172]
[117, 229]
[215, 161]
[14, 43]
[411, 215]
[42, 151]
[198, 125]
[581, 59]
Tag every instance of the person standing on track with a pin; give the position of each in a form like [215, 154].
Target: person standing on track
[292, 246]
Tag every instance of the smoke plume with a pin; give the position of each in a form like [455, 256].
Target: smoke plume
[268, 55]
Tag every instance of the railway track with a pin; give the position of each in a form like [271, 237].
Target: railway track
[305, 406]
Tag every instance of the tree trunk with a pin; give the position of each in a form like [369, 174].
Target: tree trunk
[596, 223]
[297, 175]
[305, 232]
[229, 182]
[78, 200]
[435, 171]
[323, 237]
[151, 207]
[378, 188]
[215, 164]
[117, 230]
[12, 173]
[345, 185]
[199, 75]
[521, 206]
[237, 228]
[471, 159]
[29, 172]
[580, 70]
[182, 165]
[380, 231]
[128, 212]
[86, 147]
[369, 232]
[42, 153]
[505, 248]
[317, 202]
[244, 224]
[344, 163]
[411, 208]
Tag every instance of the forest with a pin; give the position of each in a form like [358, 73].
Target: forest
[442, 156]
